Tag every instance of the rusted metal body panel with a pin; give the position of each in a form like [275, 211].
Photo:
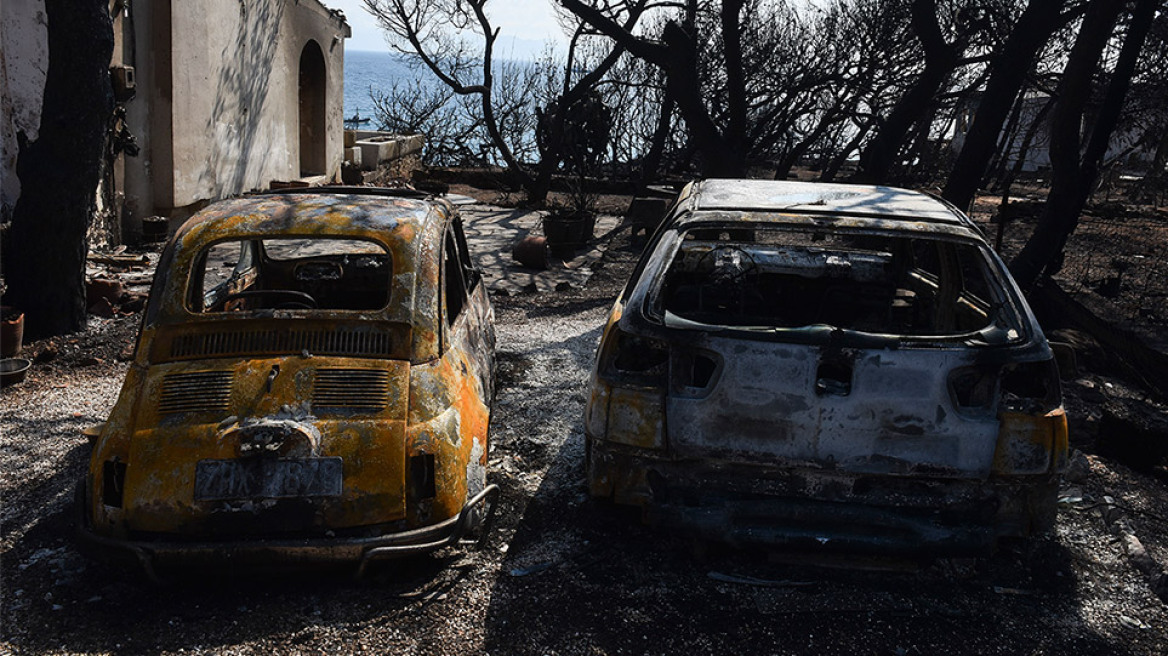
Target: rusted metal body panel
[717, 407]
[759, 409]
[815, 508]
[292, 432]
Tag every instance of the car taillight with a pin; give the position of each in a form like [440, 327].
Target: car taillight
[1031, 387]
[636, 417]
[1028, 387]
[628, 402]
[1032, 434]
[635, 360]
[113, 482]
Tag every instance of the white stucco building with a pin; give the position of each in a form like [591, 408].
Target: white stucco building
[228, 96]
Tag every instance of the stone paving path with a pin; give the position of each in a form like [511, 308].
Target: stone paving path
[492, 231]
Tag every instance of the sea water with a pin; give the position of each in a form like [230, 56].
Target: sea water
[366, 71]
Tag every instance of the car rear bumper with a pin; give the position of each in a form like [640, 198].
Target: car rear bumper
[151, 554]
[807, 509]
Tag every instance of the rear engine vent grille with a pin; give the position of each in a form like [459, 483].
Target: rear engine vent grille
[319, 342]
[355, 389]
[195, 392]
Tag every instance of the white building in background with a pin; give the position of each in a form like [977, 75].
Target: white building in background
[1038, 154]
[1127, 143]
[229, 97]
[221, 97]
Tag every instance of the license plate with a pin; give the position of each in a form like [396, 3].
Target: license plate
[267, 478]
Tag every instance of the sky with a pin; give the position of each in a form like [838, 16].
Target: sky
[524, 25]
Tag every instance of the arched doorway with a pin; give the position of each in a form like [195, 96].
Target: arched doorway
[312, 104]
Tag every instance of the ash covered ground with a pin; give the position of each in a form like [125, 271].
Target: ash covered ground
[560, 573]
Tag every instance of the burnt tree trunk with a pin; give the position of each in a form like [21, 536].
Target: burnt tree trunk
[1074, 178]
[1001, 159]
[1008, 175]
[676, 54]
[918, 152]
[45, 247]
[651, 165]
[841, 158]
[825, 123]
[538, 186]
[1006, 179]
[941, 58]
[1010, 66]
[883, 152]
[720, 158]
[735, 133]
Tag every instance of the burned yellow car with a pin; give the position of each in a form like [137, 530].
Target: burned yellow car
[312, 382]
[821, 367]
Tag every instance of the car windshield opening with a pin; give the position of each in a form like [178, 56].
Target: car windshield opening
[291, 274]
[912, 286]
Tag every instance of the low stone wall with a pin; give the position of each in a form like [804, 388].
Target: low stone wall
[370, 149]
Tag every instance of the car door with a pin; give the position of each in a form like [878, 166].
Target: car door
[468, 353]
[473, 327]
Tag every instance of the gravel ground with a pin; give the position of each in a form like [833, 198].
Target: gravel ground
[560, 575]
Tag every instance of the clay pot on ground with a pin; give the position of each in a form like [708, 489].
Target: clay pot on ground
[568, 232]
[531, 252]
[97, 289]
[11, 331]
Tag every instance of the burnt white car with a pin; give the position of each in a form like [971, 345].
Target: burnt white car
[826, 366]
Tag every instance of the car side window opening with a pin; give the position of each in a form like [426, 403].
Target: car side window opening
[471, 275]
[651, 244]
[220, 264]
[455, 286]
[915, 285]
[287, 273]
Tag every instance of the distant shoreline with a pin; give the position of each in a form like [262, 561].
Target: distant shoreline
[377, 70]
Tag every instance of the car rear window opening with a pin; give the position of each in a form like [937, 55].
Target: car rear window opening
[291, 274]
[915, 285]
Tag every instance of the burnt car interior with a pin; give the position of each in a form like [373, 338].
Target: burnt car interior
[876, 283]
[291, 274]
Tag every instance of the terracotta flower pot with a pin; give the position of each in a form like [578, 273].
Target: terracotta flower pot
[11, 331]
[99, 288]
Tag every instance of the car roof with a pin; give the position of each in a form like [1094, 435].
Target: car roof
[817, 198]
[375, 216]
